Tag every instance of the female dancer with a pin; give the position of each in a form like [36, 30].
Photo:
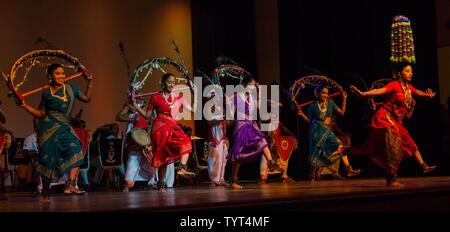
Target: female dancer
[60, 149]
[389, 140]
[169, 142]
[324, 147]
[248, 140]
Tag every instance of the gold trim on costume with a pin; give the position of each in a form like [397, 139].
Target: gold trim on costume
[72, 99]
[47, 134]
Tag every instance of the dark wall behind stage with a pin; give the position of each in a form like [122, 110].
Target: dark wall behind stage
[346, 40]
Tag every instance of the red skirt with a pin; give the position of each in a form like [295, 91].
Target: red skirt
[169, 142]
[83, 135]
[388, 146]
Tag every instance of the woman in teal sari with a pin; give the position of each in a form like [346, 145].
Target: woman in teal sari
[59, 148]
[324, 147]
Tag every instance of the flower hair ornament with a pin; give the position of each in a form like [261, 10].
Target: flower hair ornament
[402, 41]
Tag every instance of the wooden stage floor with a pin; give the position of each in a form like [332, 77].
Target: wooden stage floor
[420, 194]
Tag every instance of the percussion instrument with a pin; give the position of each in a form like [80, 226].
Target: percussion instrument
[138, 139]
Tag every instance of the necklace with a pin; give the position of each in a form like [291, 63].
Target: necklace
[407, 93]
[166, 99]
[63, 97]
[324, 108]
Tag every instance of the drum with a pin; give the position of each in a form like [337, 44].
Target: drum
[138, 139]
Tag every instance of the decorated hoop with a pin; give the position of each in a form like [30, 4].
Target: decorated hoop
[143, 72]
[311, 82]
[380, 83]
[19, 73]
[233, 71]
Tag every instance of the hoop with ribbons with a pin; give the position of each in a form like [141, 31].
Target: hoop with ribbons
[19, 73]
[143, 72]
[311, 82]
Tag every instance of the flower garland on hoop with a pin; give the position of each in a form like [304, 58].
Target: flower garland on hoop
[19, 73]
[312, 81]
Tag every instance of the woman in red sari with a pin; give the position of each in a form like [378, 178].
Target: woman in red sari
[168, 140]
[389, 140]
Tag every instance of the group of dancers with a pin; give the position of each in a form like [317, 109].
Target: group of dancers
[61, 150]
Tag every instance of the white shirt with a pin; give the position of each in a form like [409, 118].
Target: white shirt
[30, 143]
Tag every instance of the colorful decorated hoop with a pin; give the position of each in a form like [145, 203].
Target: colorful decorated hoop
[312, 81]
[232, 71]
[20, 70]
[143, 72]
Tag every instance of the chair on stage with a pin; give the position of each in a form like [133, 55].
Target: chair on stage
[6, 147]
[198, 169]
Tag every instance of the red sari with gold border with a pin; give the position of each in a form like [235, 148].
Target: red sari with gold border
[169, 142]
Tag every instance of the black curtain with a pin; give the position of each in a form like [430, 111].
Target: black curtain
[349, 41]
[346, 40]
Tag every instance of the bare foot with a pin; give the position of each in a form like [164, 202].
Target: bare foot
[396, 184]
[45, 200]
[287, 179]
[235, 186]
[162, 190]
[185, 173]
[262, 181]
[73, 190]
[223, 183]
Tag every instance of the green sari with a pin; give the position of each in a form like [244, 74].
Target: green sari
[323, 143]
[59, 147]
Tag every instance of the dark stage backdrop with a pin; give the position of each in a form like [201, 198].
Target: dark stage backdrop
[347, 40]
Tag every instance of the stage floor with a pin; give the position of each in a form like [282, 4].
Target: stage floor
[420, 194]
